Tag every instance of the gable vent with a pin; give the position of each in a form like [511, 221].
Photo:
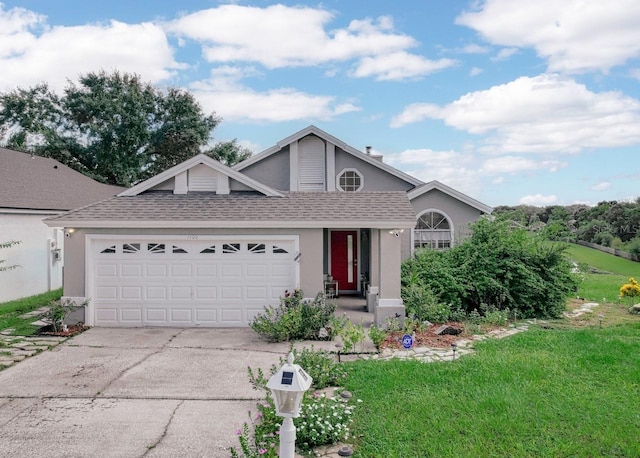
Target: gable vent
[311, 164]
[203, 178]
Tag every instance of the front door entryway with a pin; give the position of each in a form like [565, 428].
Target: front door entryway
[344, 260]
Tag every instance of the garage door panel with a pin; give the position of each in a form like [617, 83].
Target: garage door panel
[131, 270]
[232, 271]
[257, 271]
[206, 293]
[231, 293]
[210, 282]
[107, 292]
[156, 292]
[257, 293]
[231, 316]
[156, 270]
[206, 316]
[155, 315]
[281, 270]
[181, 270]
[131, 315]
[180, 292]
[181, 315]
[206, 270]
[131, 292]
[107, 315]
[107, 270]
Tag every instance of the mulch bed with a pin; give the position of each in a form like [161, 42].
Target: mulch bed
[425, 338]
[72, 330]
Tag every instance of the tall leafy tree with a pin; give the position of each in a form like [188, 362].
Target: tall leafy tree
[113, 127]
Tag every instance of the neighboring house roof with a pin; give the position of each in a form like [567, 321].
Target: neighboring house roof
[190, 163]
[331, 139]
[38, 183]
[155, 209]
[450, 191]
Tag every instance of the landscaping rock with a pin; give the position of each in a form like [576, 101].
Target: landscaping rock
[635, 309]
[446, 329]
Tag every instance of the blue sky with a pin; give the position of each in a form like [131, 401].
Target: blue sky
[509, 101]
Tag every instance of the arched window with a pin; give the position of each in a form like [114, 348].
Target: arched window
[433, 231]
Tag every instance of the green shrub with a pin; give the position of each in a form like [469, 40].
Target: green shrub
[377, 335]
[498, 265]
[350, 334]
[320, 365]
[294, 318]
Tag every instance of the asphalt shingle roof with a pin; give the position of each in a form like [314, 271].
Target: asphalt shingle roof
[40, 183]
[204, 209]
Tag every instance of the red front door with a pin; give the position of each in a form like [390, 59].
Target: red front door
[344, 259]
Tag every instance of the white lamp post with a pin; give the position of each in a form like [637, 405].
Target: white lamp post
[288, 386]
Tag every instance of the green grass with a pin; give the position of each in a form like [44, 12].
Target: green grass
[614, 272]
[543, 393]
[10, 311]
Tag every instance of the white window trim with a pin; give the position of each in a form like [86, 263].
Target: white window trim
[349, 169]
[428, 210]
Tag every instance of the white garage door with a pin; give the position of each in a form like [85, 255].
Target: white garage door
[187, 280]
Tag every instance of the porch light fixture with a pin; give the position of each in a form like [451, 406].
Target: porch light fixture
[288, 386]
[396, 232]
[69, 231]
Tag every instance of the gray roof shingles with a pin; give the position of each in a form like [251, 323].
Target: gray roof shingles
[328, 209]
[40, 183]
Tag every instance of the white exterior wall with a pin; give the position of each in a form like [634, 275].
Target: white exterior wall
[38, 271]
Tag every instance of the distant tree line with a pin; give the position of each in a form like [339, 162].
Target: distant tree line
[613, 223]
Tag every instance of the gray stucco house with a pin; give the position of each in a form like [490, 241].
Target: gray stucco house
[202, 244]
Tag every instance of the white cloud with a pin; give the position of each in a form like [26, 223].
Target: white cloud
[602, 186]
[30, 50]
[475, 71]
[573, 35]
[505, 53]
[538, 200]
[543, 114]
[474, 49]
[399, 66]
[224, 94]
[515, 164]
[444, 166]
[235, 33]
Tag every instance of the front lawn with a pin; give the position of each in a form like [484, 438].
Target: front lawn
[10, 311]
[613, 272]
[539, 393]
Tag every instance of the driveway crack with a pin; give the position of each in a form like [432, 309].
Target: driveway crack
[164, 433]
[137, 363]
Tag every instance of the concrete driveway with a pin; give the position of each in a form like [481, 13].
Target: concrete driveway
[152, 392]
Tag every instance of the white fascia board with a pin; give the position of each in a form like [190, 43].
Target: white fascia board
[450, 191]
[304, 224]
[27, 211]
[196, 160]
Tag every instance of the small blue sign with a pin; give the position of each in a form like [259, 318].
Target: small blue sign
[407, 341]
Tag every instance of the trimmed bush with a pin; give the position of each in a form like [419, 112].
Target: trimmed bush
[294, 318]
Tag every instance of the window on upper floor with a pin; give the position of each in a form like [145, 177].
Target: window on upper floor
[350, 180]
